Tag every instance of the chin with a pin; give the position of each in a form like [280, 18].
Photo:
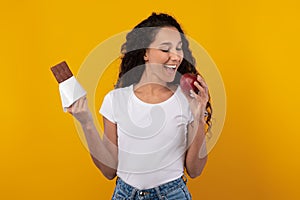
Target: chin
[170, 80]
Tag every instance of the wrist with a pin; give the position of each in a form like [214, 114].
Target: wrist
[200, 119]
[200, 115]
[87, 124]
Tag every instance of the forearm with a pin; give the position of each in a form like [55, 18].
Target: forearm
[196, 155]
[103, 151]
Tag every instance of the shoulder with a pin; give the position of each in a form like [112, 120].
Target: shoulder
[119, 92]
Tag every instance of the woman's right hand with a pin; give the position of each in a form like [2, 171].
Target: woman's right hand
[80, 111]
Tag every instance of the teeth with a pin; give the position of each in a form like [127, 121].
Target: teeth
[171, 66]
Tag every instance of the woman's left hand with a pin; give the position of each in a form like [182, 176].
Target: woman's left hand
[198, 101]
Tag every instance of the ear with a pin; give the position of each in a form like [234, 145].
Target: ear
[146, 58]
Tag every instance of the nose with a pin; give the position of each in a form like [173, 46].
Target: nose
[175, 56]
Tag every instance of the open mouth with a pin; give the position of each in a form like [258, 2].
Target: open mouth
[170, 68]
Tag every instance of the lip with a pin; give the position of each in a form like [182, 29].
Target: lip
[170, 69]
[173, 66]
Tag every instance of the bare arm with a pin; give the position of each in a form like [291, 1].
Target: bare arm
[103, 151]
[196, 156]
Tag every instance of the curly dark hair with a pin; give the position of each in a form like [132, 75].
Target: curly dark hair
[134, 49]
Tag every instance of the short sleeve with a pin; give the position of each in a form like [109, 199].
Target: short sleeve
[185, 103]
[106, 109]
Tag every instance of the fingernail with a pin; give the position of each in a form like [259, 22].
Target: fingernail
[191, 94]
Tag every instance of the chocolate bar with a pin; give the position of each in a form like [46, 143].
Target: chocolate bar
[69, 88]
[61, 72]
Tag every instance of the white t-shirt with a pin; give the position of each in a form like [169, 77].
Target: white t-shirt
[152, 138]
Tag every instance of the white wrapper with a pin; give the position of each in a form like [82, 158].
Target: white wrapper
[70, 91]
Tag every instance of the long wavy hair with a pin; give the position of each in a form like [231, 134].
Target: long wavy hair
[134, 49]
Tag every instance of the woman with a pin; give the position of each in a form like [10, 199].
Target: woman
[152, 130]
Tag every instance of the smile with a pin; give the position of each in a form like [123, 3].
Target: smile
[170, 66]
[170, 69]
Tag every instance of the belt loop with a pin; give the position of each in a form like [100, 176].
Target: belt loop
[133, 193]
[158, 193]
[184, 178]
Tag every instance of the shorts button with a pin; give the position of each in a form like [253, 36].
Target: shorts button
[142, 193]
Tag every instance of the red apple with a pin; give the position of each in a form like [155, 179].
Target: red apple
[187, 83]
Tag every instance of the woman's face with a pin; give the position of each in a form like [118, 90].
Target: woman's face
[164, 55]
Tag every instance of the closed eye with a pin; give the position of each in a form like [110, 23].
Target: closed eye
[165, 50]
[168, 50]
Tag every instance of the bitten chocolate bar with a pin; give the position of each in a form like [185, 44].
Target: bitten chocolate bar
[61, 72]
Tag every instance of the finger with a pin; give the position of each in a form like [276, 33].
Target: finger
[80, 103]
[202, 93]
[76, 106]
[203, 89]
[189, 96]
[70, 110]
[202, 82]
[193, 94]
[199, 78]
[85, 104]
[199, 87]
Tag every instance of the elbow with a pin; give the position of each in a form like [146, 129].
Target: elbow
[197, 170]
[109, 176]
[194, 174]
[108, 171]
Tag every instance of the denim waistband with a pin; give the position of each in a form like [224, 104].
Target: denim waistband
[158, 191]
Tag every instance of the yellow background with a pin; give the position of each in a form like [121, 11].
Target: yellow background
[255, 45]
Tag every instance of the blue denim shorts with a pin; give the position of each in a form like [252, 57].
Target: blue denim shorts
[173, 190]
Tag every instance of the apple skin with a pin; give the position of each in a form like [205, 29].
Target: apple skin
[187, 83]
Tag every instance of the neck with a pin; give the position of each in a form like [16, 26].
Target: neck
[149, 81]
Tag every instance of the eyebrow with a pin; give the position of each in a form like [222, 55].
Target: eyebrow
[169, 43]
